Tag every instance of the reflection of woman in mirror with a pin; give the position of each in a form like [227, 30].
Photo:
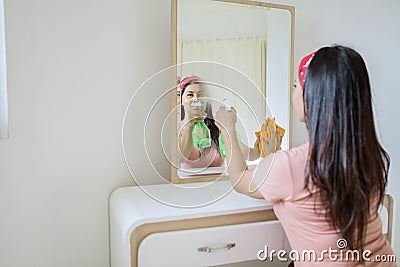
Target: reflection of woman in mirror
[330, 188]
[195, 109]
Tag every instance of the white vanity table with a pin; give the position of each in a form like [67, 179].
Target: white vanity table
[144, 231]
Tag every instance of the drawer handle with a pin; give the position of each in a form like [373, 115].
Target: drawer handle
[211, 250]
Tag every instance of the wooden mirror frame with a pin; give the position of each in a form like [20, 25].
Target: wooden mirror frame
[174, 36]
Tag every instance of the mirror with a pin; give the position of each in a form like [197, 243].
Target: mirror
[233, 53]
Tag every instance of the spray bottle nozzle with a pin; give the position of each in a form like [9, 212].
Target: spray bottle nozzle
[227, 105]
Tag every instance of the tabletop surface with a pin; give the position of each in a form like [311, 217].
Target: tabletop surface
[136, 205]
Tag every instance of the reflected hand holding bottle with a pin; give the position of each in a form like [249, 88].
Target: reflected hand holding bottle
[195, 111]
[226, 120]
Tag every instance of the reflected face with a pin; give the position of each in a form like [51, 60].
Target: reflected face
[298, 101]
[192, 100]
[192, 93]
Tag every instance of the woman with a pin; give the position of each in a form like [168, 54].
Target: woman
[330, 188]
[195, 109]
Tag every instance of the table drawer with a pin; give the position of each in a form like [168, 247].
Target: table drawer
[210, 246]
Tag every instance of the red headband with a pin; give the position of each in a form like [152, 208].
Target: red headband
[303, 67]
[185, 83]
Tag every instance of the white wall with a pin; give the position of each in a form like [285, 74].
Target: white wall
[72, 67]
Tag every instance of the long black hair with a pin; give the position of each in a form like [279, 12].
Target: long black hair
[346, 161]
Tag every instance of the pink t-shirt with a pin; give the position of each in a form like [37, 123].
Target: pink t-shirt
[202, 158]
[281, 176]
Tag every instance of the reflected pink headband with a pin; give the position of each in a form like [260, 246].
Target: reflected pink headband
[303, 67]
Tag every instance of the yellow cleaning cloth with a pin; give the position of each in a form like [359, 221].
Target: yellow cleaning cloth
[265, 133]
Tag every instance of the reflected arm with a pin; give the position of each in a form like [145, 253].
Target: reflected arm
[185, 141]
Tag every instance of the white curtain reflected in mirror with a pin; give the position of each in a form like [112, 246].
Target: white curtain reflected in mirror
[240, 51]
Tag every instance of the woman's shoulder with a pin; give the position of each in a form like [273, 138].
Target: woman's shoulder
[281, 173]
[299, 152]
[294, 160]
[301, 149]
[285, 158]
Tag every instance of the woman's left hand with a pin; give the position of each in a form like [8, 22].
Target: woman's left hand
[226, 120]
[274, 143]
